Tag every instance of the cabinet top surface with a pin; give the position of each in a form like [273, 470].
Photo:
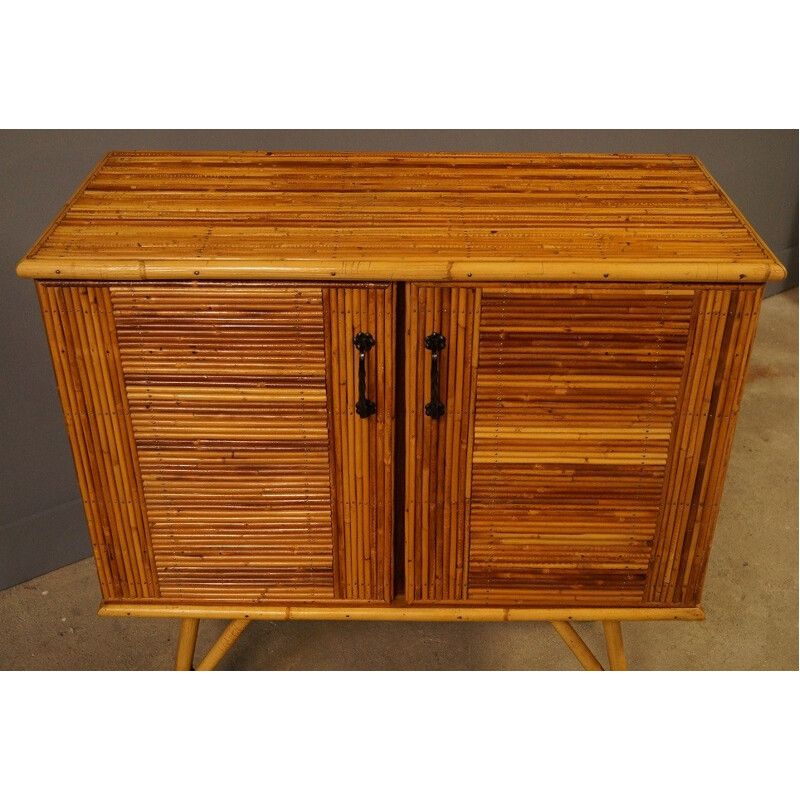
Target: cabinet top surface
[400, 216]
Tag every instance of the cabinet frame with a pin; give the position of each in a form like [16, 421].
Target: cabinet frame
[115, 499]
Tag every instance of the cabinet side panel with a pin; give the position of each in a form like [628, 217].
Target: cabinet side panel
[361, 448]
[722, 335]
[439, 451]
[709, 316]
[83, 342]
[717, 442]
[226, 386]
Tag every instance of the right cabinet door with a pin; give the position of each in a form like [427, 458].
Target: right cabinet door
[566, 443]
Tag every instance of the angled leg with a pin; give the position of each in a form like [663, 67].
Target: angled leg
[223, 644]
[576, 644]
[187, 639]
[614, 646]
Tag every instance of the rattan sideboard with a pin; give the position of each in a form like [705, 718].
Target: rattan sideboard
[400, 386]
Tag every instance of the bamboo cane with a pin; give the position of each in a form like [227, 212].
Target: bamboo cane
[576, 644]
[187, 638]
[614, 646]
[223, 644]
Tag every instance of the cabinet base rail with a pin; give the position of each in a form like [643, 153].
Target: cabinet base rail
[397, 611]
[240, 617]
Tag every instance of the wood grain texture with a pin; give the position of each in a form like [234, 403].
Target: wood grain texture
[394, 216]
[82, 338]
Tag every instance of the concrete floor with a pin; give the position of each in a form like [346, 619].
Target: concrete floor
[751, 596]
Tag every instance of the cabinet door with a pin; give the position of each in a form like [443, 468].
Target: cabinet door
[219, 450]
[580, 455]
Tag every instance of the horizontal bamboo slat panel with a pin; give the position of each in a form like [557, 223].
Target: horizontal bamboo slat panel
[82, 338]
[576, 394]
[234, 463]
[393, 216]
[237, 423]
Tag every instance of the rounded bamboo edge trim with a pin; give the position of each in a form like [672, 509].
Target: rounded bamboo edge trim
[404, 613]
[644, 271]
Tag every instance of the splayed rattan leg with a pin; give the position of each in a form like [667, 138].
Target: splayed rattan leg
[614, 646]
[223, 644]
[576, 644]
[187, 639]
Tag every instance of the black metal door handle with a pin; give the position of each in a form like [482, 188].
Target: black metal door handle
[435, 343]
[363, 343]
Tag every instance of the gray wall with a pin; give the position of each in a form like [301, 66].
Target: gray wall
[41, 518]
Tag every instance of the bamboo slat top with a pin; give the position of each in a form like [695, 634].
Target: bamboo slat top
[400, 216]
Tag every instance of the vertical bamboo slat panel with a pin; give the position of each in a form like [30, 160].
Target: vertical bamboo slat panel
[723, 332]
[362, 449]
[437, 461]
[710, 313]
[83, 343]
[717, 442]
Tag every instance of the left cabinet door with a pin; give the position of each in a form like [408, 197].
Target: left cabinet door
[217, 441]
